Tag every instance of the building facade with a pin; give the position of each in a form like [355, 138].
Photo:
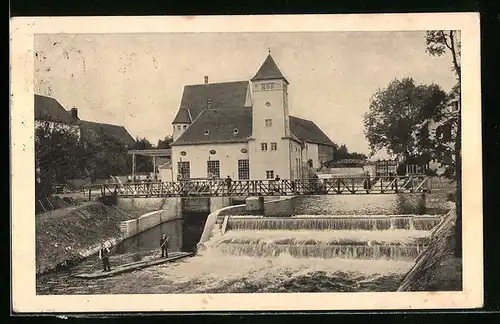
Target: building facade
[243, 129]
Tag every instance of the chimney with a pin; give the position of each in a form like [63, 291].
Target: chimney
[206, 79]
[74, 114]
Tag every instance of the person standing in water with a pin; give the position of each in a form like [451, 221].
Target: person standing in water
[104, 256]
[164, 245]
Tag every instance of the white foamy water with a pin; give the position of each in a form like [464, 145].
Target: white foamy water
[400, 236]
[213, 270]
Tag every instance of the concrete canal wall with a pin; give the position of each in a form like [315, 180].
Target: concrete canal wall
[215, 220]
[71, 234]
[436, 268]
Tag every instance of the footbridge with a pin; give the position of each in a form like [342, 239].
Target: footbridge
[222, 187]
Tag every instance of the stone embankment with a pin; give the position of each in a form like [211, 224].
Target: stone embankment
[437, 269]
[68, 235]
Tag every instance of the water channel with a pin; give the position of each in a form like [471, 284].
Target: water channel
[236, 267]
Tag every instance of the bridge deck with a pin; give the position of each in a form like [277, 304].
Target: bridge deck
[210, 188]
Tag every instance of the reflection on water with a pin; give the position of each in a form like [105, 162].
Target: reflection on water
[370, 204]
[150, 239]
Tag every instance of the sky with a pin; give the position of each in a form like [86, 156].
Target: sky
[136, 80]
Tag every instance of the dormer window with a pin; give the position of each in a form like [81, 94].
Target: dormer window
[235, 131]
[206, 132]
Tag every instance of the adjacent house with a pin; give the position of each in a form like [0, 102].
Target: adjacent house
[48, 111]
[243, 129]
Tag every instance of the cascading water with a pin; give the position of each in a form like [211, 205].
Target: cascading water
[333, 223]
[325, 251]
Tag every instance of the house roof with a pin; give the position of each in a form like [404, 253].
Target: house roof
[49, 109]
[195, 98]
[308, 131]
[210, 120]
[269, 71]
[182, 117]
[94, 132]
[241, 119]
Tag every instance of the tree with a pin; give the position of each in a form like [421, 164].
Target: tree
[106, 157]
[143, 163]
[342, 153]
[438, 43]
[165, 143]
[58, 154]
[397, 116]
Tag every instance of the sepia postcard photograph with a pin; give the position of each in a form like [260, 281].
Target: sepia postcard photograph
[257, 163]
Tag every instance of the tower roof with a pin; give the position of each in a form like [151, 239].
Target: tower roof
[269, 71]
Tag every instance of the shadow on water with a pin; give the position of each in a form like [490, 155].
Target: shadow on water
[192, 228]
[183, 235]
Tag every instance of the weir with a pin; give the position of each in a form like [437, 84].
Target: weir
[395, 252]
[406, 222]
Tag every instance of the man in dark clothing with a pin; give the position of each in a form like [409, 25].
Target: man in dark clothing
[228, 183]
[104, 256]
[277, 186]
[367, 183]
[164, 245]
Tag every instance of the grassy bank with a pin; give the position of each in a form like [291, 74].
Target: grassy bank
[437, 269]
[67, 235]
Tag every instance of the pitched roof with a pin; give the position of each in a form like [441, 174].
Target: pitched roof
[94, 132]
[195, 98]
[268, 71]
[308, 131]
[241, 119]
[221, 125]
[182, 117]
[49, 109]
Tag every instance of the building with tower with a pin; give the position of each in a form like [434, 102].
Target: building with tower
[243, 129]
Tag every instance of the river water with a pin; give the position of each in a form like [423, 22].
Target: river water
[241, 261]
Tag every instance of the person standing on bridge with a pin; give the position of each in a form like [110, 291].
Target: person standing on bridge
[368, 182]
[104, 256]
[277, 187]
[228, 183]
[164, 245]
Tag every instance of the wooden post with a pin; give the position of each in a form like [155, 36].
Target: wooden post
[133, 166]
[154, 167]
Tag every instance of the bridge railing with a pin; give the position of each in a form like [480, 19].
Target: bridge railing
[335, 185]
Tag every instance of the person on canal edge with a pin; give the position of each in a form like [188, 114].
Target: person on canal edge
[164, 245]
[104, 256]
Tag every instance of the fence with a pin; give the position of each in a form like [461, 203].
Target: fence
[338, 185]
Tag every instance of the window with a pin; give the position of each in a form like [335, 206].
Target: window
[178, 127]
[274, 146]
[263, 146]
[269, 122]
[209, 103]
[267, 86]
[270, 174]
[183, 170]
[243, 170]
[213, 169]
[184, 127]
[207, 132]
